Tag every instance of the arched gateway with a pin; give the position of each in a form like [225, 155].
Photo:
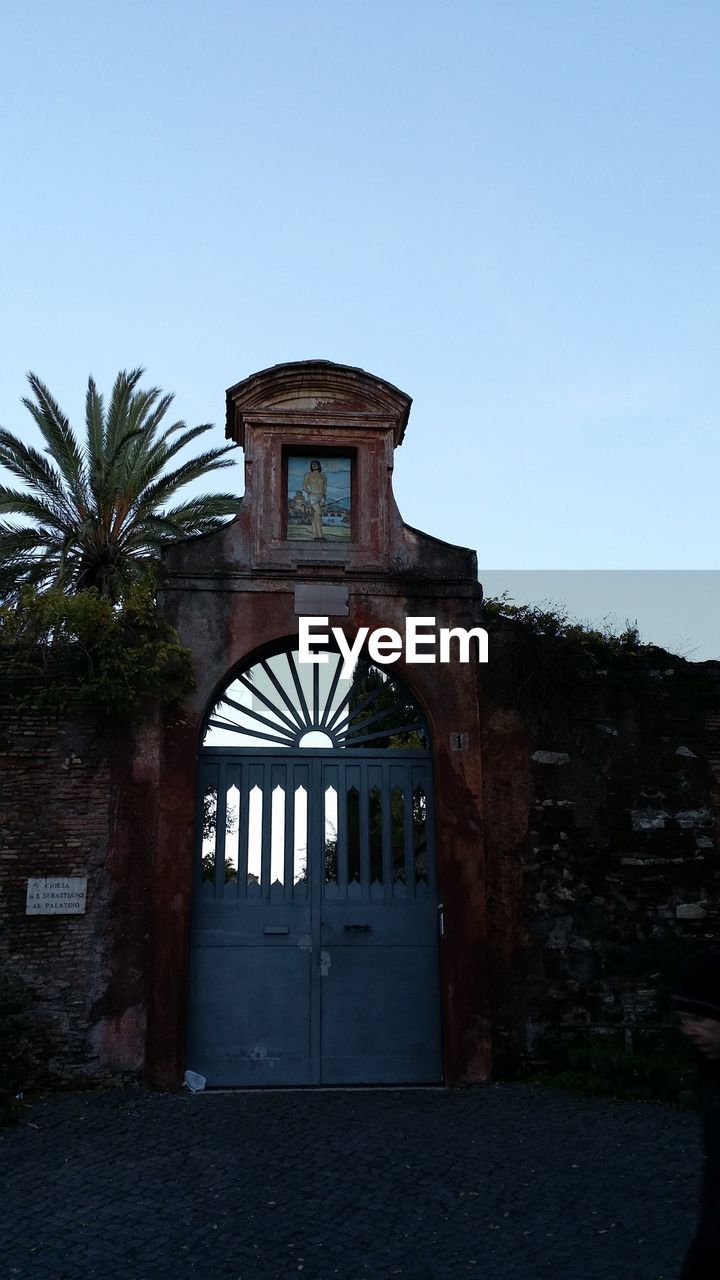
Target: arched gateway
[266, 968]
[314, 956]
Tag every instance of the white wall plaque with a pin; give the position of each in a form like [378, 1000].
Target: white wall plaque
[56, 896]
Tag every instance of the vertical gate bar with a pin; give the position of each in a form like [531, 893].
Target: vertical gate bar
[220, 822]
[342, 846]
[316, 694]
[409, 831]
[419, 780]
[396, 776]
[315, 874]
[302, 779]
[277, 771]
[316, 831]
[352, 779]
[243, 832]
[374, 777]
[364, 831]
[266, 791]
[329, 780]
[385, 800]
[233, 780]
[289, 829]
[429, 825]
[206, 774]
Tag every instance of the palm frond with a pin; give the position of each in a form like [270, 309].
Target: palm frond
[34, 468]
[151, 533]
[150, 467]
[194, 469]
[203, 515]
[95, 433]
[20, 539]
[136, 443]
[205, 512]
[169, 451]
[99, 516]
[151, 421]
[15, 502]
[58, 435]
[120, 399]
[28, 557]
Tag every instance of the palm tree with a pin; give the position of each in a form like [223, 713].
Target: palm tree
[98, 510]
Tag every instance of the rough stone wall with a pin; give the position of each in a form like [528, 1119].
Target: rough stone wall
[60, 1019]
[603, 845]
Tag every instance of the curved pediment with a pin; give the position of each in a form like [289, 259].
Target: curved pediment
[314, 389]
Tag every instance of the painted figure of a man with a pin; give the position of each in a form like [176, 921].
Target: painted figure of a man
[314, 490]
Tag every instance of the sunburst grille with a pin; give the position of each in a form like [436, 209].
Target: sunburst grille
[285, 704]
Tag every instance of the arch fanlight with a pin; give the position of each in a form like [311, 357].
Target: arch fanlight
[282, 703]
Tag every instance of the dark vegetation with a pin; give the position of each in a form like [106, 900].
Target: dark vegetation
[645, 1065]
[559, 673]
[82, 652]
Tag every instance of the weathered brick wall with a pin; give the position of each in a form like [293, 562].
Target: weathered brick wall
[56, 801]
[603, 844]
[602, 856]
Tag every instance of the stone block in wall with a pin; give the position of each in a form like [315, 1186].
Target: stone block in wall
[691, 818]
[641, 1004]
[648, 819]
[690, 911]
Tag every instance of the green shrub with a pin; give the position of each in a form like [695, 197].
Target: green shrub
[82, 650]
[657, 1068]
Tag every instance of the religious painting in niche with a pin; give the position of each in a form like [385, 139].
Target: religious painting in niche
[319, 499]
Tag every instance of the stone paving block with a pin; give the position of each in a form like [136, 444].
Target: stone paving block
[494, 1182]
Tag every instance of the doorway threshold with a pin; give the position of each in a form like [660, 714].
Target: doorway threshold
[216, 1090]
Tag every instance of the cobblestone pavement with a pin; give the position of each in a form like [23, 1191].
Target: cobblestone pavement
[492, 1182]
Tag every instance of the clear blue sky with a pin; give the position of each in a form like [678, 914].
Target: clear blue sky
[508, 208]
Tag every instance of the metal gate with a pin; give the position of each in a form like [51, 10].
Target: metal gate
[314, 954]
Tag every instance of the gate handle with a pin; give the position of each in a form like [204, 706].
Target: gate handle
[357, 928]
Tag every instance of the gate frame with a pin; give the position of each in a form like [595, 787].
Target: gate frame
[463, 946]
[335, 758]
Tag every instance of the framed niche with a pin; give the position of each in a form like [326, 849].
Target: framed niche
[319, 497]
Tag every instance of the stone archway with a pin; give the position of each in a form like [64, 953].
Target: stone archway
[237, 591]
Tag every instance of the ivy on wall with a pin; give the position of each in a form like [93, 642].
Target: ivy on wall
[555, 672]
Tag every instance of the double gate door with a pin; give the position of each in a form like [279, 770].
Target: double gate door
[314, 952]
